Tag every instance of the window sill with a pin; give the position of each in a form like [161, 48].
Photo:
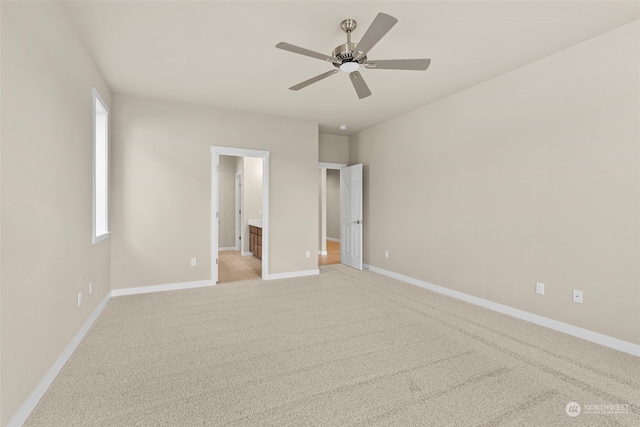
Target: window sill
[101, 237]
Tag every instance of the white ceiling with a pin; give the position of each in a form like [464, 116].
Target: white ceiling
[222, 53]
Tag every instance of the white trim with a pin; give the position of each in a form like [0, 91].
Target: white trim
[95, 97]
[101, 237]
[29, 405]
[216, 152]
[292, 274]
[243, 253]
[239, 209]
[585, 334]
[322, 253]
[230, 248]
[331, 239]
[325, 165]
[162, 288]
[238, 152]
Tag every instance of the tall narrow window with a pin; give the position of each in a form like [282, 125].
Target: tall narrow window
[100, 168]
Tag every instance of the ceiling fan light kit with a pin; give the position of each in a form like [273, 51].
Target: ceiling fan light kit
[348, 67]
[350, 56]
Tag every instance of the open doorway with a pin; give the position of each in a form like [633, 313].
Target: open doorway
[239, 220]
[329, 203]
[240, 212]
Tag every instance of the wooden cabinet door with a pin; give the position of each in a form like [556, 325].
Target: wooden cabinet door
[253, 241]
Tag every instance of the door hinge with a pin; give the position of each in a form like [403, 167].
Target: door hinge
[216, 261]
[217, 215]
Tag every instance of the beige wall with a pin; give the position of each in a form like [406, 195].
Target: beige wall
[47, 254]
[251, 169]
[227, 202]
[251, 195]
[162, 182]
[531, 176]
[243, 235]
[333, 148]
[333, 203]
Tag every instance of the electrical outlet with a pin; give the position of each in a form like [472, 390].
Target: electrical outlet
[308, 253]
[386, 254]
[540, 288]
[90, 288]
[577, 296]
[79, 298]
[194, 262]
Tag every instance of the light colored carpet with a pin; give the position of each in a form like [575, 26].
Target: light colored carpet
[341, 348]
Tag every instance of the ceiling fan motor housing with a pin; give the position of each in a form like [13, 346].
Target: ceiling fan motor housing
[344, 53]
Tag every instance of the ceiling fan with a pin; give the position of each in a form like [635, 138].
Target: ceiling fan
[350, 56]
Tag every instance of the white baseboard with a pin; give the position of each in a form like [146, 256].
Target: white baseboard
[243, 253]
[585, 334]
[331, 239]
[29, 405]
[291, 274]
[230, 248]
[322, 252]
[162, 288]
[201, 283]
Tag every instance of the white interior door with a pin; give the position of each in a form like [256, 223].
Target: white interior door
[351, 216]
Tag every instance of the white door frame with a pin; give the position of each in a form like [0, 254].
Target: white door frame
[238, 213]
[338, 166]
[335, 166]
[216, 152]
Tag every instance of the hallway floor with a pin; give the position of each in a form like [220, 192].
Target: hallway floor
[333, 254]
[233, 267]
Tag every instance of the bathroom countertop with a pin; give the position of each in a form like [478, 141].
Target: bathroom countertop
[256, 222]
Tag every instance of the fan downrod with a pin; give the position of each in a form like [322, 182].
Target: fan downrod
[344, 52]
